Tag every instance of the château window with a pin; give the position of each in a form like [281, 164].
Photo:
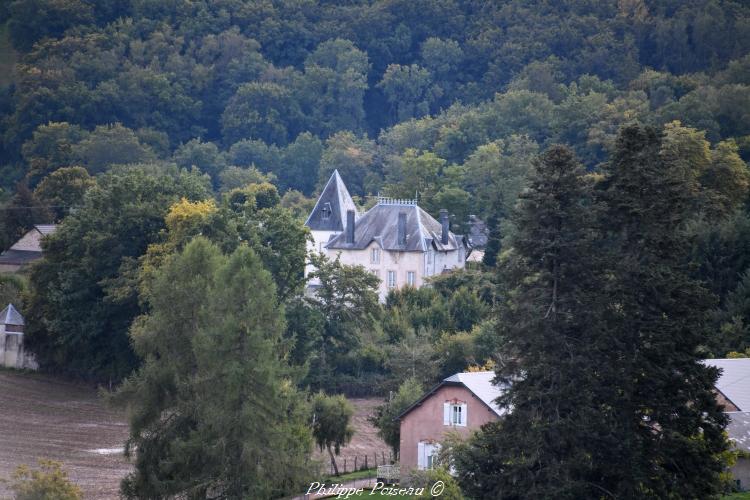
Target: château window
[411, 278]
[391, 279]
[375, 256]
[325, 212]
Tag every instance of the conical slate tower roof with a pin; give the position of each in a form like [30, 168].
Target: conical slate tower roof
[330, 210]
[10, 316]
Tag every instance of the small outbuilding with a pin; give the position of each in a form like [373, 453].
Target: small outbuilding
[12, 353]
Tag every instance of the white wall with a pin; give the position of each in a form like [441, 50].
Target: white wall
[401, 263]
[320, 238]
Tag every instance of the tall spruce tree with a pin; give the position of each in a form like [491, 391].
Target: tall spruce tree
[556, 439]
[674, 425]
[214, 412]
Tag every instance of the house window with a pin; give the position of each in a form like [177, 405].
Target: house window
[375, 256]
[375, 272]
[411, 278]
[391, 279]
[454, 413]
[427, 454]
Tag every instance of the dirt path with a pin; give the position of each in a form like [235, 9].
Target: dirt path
[43, 417]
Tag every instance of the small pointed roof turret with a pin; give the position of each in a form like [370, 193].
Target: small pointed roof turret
[11, 316]
[330, 210]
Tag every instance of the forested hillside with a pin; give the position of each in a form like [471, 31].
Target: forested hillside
[298, 89]
[179, 146]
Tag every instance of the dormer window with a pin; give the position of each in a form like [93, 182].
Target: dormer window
[326, 211]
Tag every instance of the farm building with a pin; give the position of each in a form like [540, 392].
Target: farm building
[465, 401]
[26, 250]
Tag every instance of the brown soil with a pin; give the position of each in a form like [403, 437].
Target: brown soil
[44, 417]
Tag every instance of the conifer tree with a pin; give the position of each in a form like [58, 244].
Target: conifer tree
[675, 429]
[555, 440]
[214, 410]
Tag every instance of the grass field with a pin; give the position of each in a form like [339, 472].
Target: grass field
[8, 57]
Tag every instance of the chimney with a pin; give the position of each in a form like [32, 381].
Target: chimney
[401, 229]
[350, 226]
[444, 224]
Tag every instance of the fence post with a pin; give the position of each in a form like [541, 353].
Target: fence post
[382, 454]
[376, 459]
[366, 462]
[344, 465]
[355, 463]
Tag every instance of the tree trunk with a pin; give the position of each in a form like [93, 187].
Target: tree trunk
[333, 461]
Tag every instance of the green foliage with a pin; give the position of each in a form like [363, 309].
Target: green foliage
[347, 303]
[12, 290]
[385, 417]
[331, 424]
[111, 145]
[213, 321]
[50, 481]
[427, 478]
[63, 190]
[82, 299]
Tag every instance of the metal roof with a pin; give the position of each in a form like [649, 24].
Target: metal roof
[380, 224]
[478, 383]
[10, 316]
[329, 213]
[738, 429]
[734, 381]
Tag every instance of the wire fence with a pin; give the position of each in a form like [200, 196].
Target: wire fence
[361, 462]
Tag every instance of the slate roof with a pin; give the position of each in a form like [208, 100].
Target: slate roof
[335, 200]
[380, 224]
[734, 381]
[478, 383]
[10, 316]
[19, 257]
[738, 429]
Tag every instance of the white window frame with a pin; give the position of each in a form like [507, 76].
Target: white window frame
[455, 413]
[411, 278]
[375, 255]
[375, 272]
[391, 283]
[427, 453]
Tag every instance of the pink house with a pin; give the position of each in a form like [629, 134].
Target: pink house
[462, 402]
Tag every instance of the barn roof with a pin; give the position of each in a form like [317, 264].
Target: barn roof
[734, 381]
[329, 213]
[10, 316]
[380, 224]
[19, 257]
[738, 429]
